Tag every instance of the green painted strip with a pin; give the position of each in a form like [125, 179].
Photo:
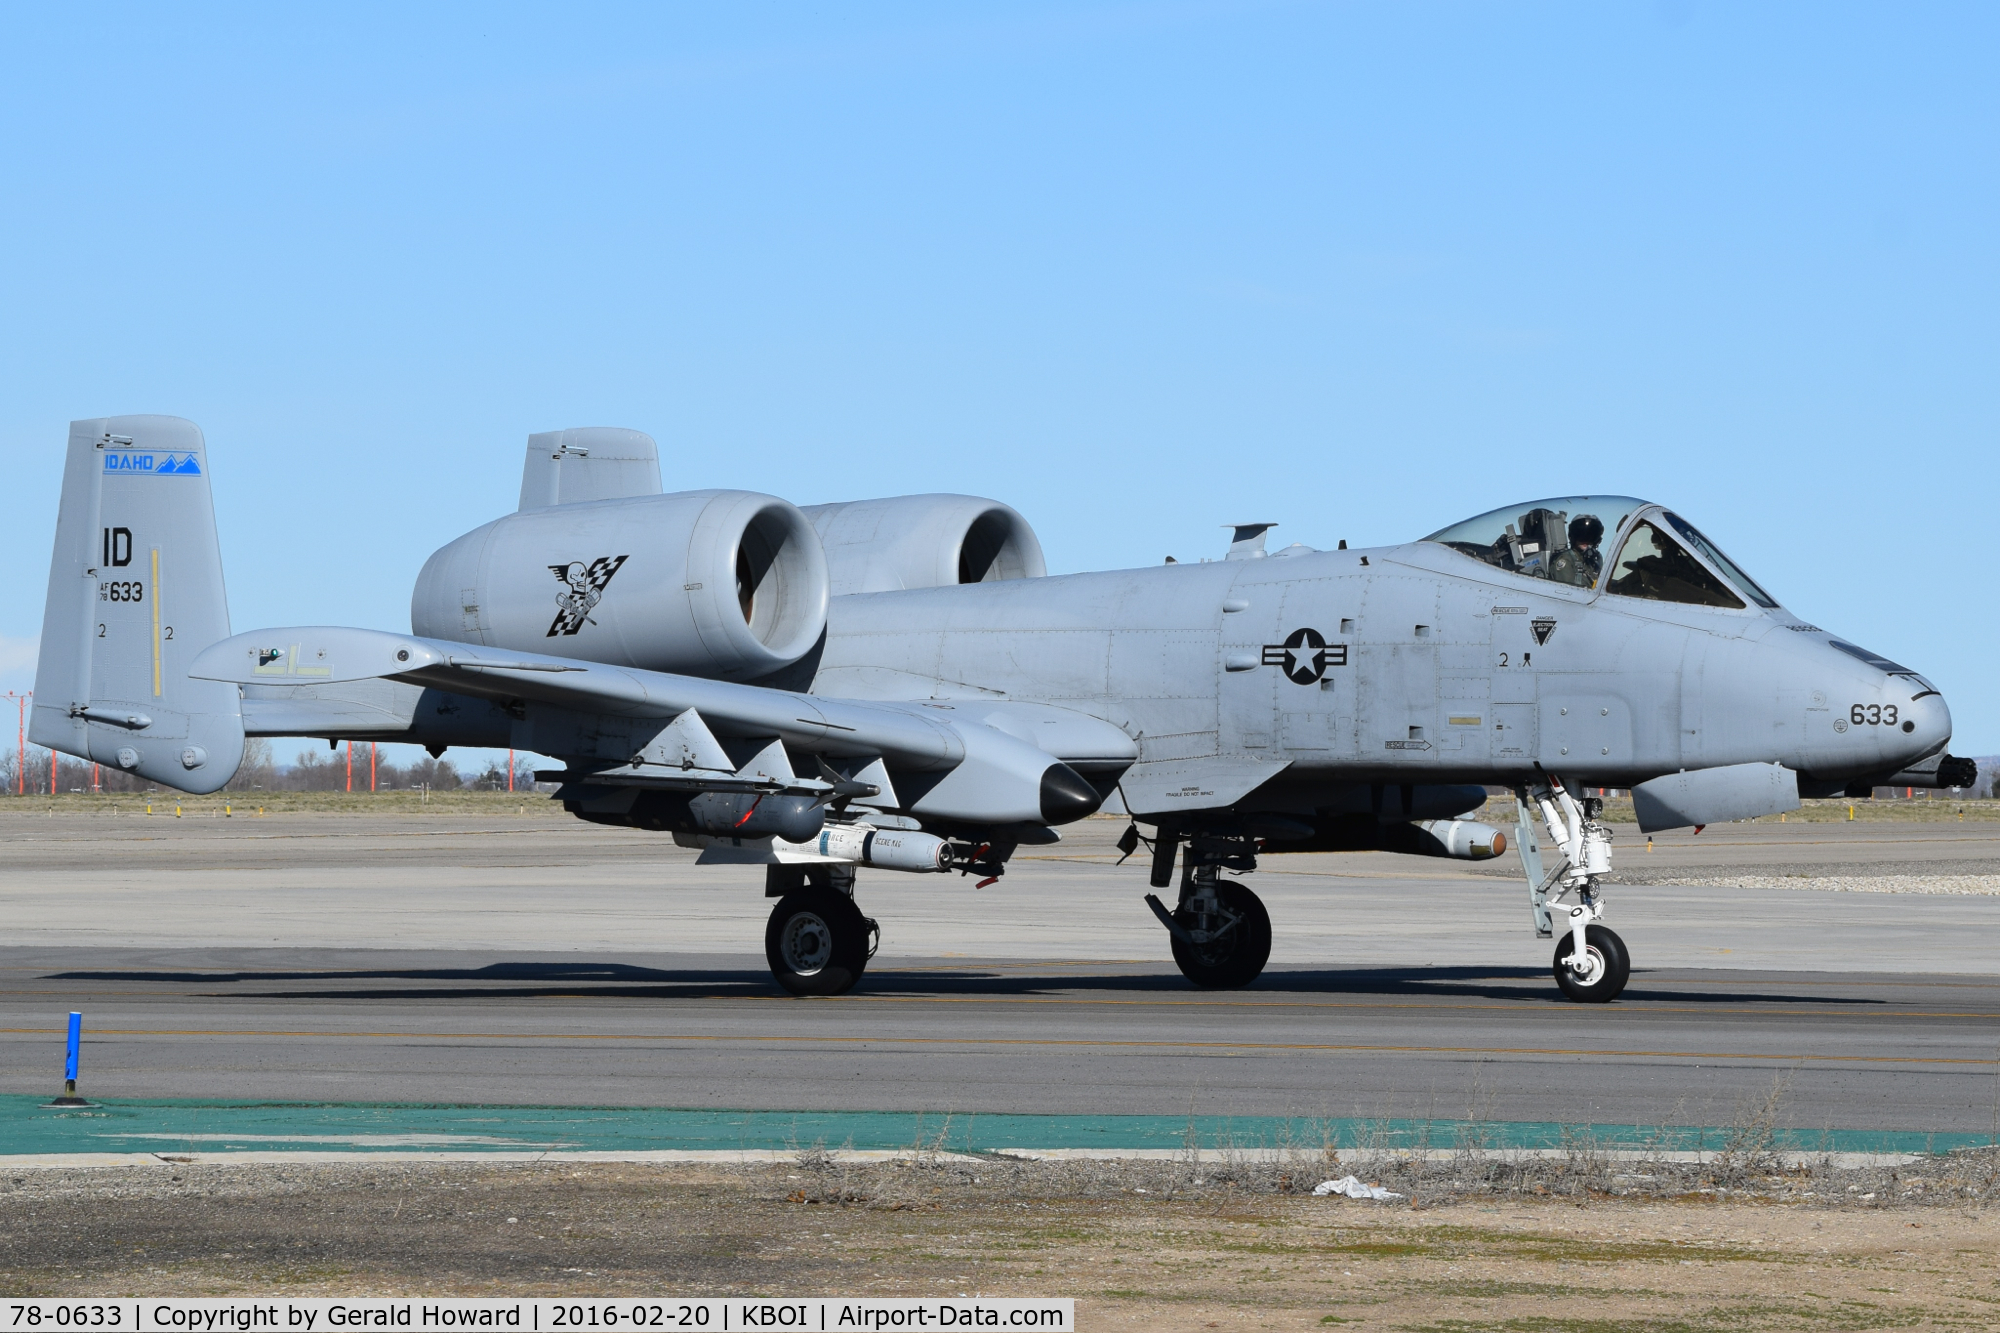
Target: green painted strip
[27, 1126]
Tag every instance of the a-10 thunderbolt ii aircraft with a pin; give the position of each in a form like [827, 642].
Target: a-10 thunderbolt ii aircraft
[897, 683]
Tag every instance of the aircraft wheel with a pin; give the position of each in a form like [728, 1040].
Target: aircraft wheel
[1235, 959]
[1610, 966]
[818, 942]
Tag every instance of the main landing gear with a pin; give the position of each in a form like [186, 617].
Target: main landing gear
[817, 941]
[1221, 932]
[1591, 963]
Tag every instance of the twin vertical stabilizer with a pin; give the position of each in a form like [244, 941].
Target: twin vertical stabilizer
[566, 467]
[135, 592]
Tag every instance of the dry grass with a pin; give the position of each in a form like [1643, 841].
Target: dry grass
[1745, 1168]
[1201, 1243]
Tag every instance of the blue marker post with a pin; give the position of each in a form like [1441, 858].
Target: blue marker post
[69, 1097]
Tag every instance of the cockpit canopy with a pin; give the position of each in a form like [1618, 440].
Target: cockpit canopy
[1660, 555]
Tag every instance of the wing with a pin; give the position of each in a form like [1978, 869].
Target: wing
[986, 762]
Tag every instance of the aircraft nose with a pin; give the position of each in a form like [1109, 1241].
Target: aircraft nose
[1925, 721]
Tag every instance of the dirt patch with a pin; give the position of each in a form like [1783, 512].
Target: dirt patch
[1164, 1245]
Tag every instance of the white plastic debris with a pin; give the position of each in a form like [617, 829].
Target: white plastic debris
[1351, 1187]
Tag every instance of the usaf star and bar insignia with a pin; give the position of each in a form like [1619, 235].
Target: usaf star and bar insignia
[1305, 655]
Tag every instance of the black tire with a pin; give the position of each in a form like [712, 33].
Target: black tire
[1617, 966]
[1235, 959]
[818, 942]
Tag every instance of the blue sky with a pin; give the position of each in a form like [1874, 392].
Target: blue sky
[1138, 269]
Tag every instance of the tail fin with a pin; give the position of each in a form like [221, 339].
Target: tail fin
[565, 467]
[135, 592]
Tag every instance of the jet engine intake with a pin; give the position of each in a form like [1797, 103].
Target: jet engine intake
[728, 584]
[924, 541]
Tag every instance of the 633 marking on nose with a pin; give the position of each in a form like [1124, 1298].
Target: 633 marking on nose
[1305, 655]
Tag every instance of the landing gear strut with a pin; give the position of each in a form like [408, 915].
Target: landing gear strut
[817, 941]
[1221, 932]
[1591, 962]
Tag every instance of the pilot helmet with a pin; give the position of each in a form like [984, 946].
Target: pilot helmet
[1586, 530]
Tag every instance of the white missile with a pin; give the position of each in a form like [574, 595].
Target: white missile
[890, 849]
[1466, 839]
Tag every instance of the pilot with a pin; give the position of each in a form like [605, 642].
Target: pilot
[1583, 561]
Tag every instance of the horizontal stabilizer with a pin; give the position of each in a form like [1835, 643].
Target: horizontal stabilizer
[320, 655]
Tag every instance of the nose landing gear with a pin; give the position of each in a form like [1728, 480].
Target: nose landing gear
[1600, 973]
[1591, 962]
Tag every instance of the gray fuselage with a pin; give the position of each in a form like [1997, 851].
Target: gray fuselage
[1452, 671]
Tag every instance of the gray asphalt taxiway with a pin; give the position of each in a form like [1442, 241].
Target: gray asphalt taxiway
[531, 959]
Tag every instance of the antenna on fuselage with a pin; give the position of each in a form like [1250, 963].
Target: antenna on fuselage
[1247, 541]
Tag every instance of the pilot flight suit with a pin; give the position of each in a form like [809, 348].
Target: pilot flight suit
[1571, 565]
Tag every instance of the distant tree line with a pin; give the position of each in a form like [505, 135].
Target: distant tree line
[311, 770]
[336, 770]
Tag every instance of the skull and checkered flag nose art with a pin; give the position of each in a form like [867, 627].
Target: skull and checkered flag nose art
[583, 588]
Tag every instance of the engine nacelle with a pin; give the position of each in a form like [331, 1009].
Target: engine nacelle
[924, 541]
[727, 584]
